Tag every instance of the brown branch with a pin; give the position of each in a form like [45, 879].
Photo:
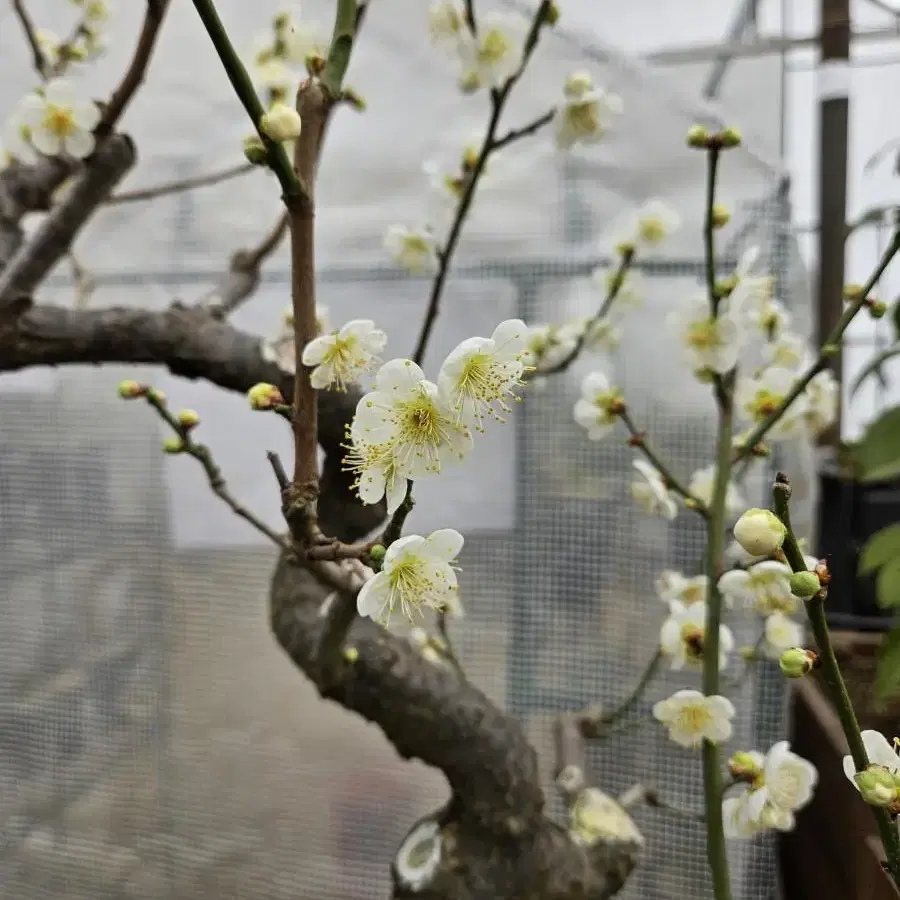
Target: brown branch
[154, 14]
[40, 61]
[32, 261]
[515, 134]
[177, 187]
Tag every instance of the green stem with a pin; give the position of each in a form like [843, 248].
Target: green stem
[831, 673]
[341, 47]
[833, 340]
[716, 851]
[291, 185]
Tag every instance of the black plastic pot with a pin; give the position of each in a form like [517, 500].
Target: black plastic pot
[849, 514]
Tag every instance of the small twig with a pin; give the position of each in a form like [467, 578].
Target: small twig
[154, 14]
[831, 672]
[469, 12]
[278, 469]
[612, 293]
[570, 776]
[515, 134]
[40, 61]
[596, 723]
[488, 145]
[832, 342]
[214, 476]
[639, 793]
[293, 188]
[180, 186]
[639, 440]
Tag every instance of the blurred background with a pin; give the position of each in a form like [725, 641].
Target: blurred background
[154, 741]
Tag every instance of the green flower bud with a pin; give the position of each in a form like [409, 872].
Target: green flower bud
[698, 137]
[744, 766]
[255, 150]
[877, 786]
[173, 445]
[264, 396]
[188, 418]
[805, 584]
[797, 662]
[129, 390]
[377, 552]
[720, 216]
[730, 138]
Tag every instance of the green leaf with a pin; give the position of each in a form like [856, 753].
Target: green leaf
[877, 453]
[887, 673]
[881, 548]
[887, 585]
[875, 366]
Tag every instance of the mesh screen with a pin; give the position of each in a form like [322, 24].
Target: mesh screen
[154, 742]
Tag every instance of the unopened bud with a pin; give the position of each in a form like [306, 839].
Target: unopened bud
[797, 662]
[469, 81]
[852, 291]
[823, 573]
[729, 138]
[352, 98]
[877, 786]
[760, 532]
[264, 396]
[173, 445]
[877, 309]
[188, 418]
[351, 654]
[805, 584]
[720, 216]
[698, 137]
[551, 13]
[578, 84]
[255, 150]
[281, 123]
[744, 766]
[129, 390]
[377, 552]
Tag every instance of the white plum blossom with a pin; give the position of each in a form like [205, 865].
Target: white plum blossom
[771, 318]
[785, 786]
[672, 586]
[681, 636]
[736, 816]
[404, 428]
[491, 57]
[765, 586]
[751, 290]
[762, 394]
[651, 493]
[445, 24]
[701, 486]
[781, 633]
[584, 115]
[788, 351]
[343, 357]
[17, 140]
[692, 718]
[548, 345]
[646, 228]
[414, 249]
[417, 572]
[481, 373]
[58, 121]
[709, 343]
[599, 406]
[822, 396]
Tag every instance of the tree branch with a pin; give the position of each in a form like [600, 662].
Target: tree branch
[40, 61]
[31, 263]
[180, 186]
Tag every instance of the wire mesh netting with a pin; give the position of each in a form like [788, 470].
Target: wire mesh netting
[155, 742]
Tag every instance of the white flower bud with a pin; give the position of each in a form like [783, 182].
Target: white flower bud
[760, 532]
[281, 123]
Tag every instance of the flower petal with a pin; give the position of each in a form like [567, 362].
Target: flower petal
[411, 543]
[444, 544]
[314, 352]
[373, 595]
[80, 143]
[396, 493]
[399, 376]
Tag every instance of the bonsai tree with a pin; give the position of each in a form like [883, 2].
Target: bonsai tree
[347, 570]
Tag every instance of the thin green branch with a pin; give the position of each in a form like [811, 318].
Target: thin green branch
[716, 851]
[831, 672]
[338, 60]
[37, 53]
[214, 476]
[832, 341]
[291, 185]
[499, 96]
[639, 440]
[515, 134]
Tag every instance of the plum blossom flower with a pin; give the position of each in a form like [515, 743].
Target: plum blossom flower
[417, 572]
[672, 586]
[785, 786]
[751, 290]
[481, 373]
[414, 249]
[344, 356]
[584, 115]
[404, 428]
[701, 486]
[762, 394]
[766, 586]
[647, 227]
[548, 345]
[651, 493]
[58, 121]
[736, 815]
[598, 407]
[881, 754]
[787, 351]
[693, 718]
[445, 24]
[681, 636]
[491, 57]
[709, 343]
[781, 633]
[771, 318]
